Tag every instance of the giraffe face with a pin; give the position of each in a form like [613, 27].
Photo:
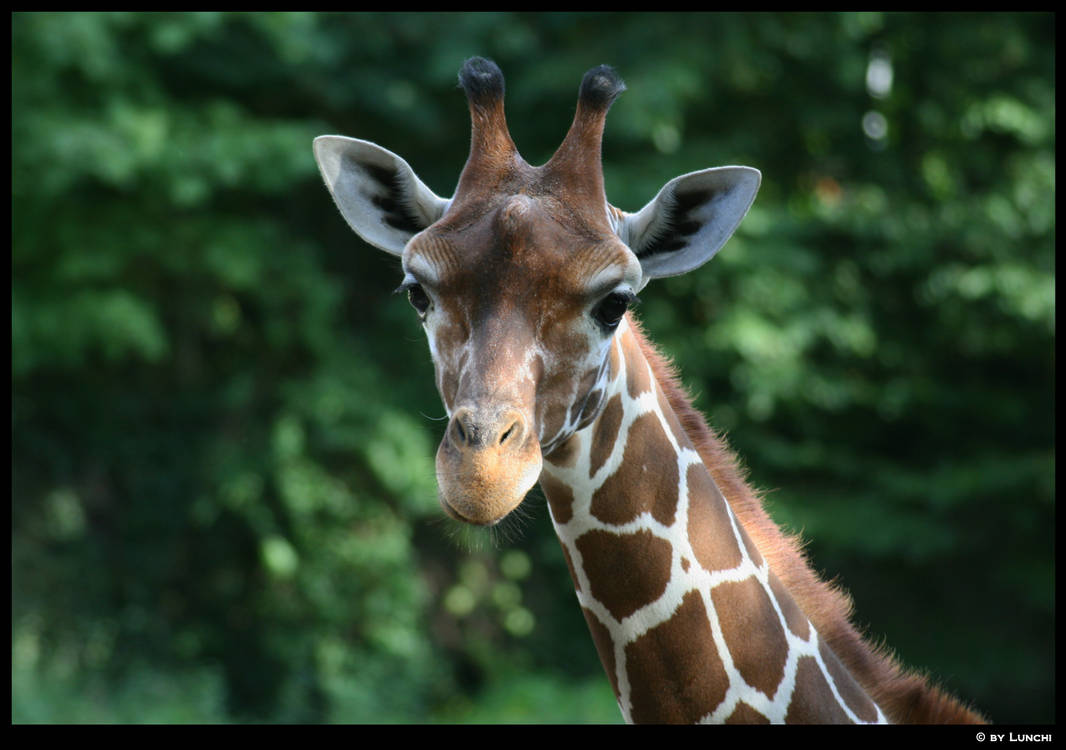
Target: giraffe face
[519, 307]
[521, 276]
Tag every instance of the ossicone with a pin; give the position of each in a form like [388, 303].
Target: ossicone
[482, 80]
[576, 163]
[600, 86]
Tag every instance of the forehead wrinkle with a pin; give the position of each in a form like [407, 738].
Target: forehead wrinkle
[431, 257]
[603, 266]
[560, 258]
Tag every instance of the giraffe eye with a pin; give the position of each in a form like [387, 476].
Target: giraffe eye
[417, 296]
[608, 313]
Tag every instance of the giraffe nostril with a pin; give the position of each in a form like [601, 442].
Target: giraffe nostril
[510, 431]
[460, 432]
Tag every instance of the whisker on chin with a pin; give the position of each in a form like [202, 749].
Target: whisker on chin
[512, 527]
[466, 537]
[507, 531]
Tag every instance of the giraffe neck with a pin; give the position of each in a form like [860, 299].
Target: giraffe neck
[689, 620]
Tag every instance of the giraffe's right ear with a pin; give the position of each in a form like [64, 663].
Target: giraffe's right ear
[689, 220]
[377, 192]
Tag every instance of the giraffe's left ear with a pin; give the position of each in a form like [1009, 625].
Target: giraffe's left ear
[689, 220]
[377, 192]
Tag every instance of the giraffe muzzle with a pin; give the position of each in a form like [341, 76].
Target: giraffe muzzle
[487, 461]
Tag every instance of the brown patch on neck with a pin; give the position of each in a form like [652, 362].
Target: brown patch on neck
[706, 520]
[570, 567]
[794, 618]
[605, 433]
[672, 685]
[813, 701]
[752, 632]
[605, 558]
[560, 497]
[646, 473]
[604, 647]
[638, 379]
[564, 455]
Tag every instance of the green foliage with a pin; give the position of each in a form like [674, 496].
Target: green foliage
[223, 494]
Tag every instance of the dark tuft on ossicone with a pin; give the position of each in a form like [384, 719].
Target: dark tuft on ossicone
[600, 86]
[482, 80]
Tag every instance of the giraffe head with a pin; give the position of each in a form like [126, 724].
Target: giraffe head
[523, 276]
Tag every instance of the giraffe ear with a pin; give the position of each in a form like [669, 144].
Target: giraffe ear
[689, 220]
[377, 192]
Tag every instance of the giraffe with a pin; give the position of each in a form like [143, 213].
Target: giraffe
[700, 607]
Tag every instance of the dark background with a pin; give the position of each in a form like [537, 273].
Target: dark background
[223, 504]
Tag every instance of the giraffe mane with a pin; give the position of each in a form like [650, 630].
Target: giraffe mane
[904, 696]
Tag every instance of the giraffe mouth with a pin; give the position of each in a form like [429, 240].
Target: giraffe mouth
[457, 516]
[486, 465]
[483, 493]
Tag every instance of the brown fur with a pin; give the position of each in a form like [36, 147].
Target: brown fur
[904, 697]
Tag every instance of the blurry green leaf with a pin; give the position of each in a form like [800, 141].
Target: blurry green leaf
[66, 517]
[515, 564]
[279, 557]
